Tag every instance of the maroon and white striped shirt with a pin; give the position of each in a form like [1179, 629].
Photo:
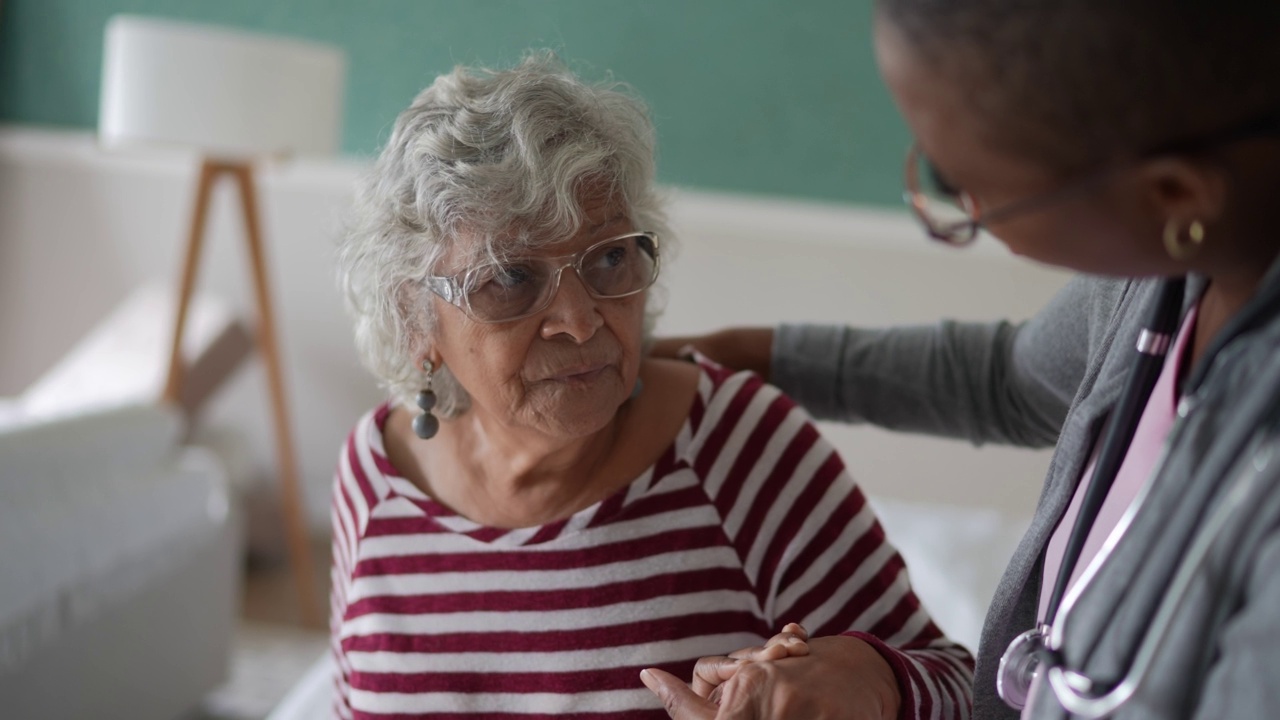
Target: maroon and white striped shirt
[747, 522]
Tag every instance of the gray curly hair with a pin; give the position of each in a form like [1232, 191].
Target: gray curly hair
[504, 156]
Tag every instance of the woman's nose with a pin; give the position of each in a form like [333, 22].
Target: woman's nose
[572, 312]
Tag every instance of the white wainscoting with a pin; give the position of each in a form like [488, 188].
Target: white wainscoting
[80, 228]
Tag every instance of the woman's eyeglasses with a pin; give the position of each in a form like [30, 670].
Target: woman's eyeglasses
[515, 289]
[955, 216]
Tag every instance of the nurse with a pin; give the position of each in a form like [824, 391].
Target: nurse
[1138, 143]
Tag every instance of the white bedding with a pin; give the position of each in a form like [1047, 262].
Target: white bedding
[955, 556]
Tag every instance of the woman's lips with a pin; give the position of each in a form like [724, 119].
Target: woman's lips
[579, 373]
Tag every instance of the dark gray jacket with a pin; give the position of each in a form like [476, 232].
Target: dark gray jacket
[1054, 379]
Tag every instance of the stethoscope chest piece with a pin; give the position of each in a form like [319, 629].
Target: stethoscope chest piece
[1020, 665]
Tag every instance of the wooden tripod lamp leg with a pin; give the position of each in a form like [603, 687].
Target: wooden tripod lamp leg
[295, 522]
[291, 491]
[190, 266]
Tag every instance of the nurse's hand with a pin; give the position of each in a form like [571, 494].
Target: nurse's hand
[710, 673]
[839, 677]
[740, 348]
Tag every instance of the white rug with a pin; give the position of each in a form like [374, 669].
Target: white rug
[266, 662]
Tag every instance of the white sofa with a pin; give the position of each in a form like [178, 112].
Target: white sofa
[119, 559]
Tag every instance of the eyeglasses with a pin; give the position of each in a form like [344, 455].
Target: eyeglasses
[515, 289]
[955, 216]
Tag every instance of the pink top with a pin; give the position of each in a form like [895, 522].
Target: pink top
[1153, 427]
[1139, 462]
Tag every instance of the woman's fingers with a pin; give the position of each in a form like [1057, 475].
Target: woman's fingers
[741, 348]
[792, 641]
[673, 348]
[710, 672]
[681, 702]
[776, 649]
[746, 653]
[796, 629]
[793, 638]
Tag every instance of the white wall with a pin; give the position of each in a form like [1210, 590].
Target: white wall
[79, 229]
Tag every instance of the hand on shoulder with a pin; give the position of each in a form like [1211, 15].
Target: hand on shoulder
[740, 348]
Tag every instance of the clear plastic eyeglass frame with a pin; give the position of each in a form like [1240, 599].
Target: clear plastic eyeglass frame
[453, 288]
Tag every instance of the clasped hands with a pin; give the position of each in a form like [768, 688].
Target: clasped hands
[790, 676]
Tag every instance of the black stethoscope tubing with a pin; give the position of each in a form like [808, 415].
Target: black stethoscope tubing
[1153, 345]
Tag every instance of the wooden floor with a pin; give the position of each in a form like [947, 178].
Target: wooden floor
[272, 648]
[270, 595]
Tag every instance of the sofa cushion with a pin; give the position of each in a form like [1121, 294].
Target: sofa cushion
[81, 495]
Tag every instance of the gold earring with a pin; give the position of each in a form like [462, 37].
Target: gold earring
[1173, 244]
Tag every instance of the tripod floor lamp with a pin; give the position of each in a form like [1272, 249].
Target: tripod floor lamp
[236, 97]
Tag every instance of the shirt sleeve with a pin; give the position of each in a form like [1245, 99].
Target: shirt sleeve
[812, 546]
[984, 382]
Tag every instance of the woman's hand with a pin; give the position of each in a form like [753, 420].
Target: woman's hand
[838, 677]
[710, 673]
[744, 348]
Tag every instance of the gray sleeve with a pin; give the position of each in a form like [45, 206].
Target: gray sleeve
[1242, 682]
[983, 382]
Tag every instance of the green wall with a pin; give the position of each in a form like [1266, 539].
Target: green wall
[753, 96]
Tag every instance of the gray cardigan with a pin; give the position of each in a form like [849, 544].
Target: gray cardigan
[1053, 379]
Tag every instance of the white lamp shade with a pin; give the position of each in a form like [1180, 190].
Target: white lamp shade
[232, 94]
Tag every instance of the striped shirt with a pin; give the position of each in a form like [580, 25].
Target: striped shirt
[747, 522]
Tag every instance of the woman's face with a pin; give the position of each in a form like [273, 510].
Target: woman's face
[1112, 228]
[562, 372]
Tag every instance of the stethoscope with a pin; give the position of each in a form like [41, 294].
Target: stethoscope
[1039, 650]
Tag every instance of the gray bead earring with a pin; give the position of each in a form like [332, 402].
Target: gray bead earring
[426, 425]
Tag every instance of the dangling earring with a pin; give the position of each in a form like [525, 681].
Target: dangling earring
[426, 425]
[1173, 244]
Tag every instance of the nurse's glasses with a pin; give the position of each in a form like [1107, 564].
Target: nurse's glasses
[954, 216]
[515, 289]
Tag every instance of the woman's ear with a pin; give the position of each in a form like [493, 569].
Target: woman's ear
[1183, 189]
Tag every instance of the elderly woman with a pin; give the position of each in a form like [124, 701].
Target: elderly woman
[541, 511]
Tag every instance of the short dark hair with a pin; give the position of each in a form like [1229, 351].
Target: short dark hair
[1078, 81]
